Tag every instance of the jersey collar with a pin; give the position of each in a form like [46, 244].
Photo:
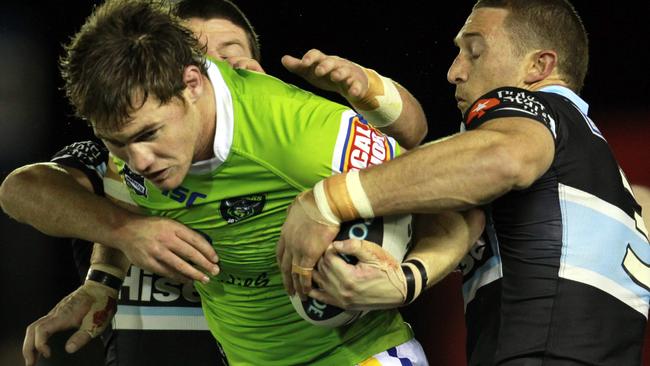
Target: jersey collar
[569, 94]
[223, 134]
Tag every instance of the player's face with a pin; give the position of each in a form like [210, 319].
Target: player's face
[222, 37]
[161, 141]
[486, 58]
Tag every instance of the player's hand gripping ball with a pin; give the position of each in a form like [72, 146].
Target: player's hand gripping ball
[393, 233]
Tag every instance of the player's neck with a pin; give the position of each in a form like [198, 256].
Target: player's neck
[547, 82]
[208, 112]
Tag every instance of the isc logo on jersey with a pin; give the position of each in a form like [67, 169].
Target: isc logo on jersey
[144, 288]
[360, 145]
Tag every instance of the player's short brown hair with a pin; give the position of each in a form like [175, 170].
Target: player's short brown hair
[127, 51]
[548, 24]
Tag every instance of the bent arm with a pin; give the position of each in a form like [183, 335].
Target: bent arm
[383, 102]
[463, 171]
[378, 281]
[61, 204]
[410, 128]
[59, 201]
[443, 239]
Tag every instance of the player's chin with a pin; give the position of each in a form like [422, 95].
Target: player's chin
[170, 180]
[462, 106]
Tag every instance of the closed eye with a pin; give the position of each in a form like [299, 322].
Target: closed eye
[147, 136]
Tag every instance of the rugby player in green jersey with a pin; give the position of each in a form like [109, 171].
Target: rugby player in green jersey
[211, 139]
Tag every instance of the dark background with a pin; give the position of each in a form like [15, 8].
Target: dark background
[406, 40]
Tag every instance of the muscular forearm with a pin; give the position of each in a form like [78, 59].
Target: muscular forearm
[49, 198]
[466, 170]
[443, 239]
[449, 175]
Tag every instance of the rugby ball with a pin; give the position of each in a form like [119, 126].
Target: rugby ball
[393, 233]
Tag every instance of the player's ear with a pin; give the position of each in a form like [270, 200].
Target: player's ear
[540, 65]
[193, 80]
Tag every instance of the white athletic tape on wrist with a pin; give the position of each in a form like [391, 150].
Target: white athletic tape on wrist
[358, 195]
[388, 101]
[323, 204]
[342, 198]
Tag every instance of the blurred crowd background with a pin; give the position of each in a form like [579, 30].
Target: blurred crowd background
[409, 41]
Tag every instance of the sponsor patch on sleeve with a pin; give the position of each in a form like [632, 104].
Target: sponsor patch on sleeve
[134, 181]
[87, 156]
[88, 153]
[360, 145]
[509, 102]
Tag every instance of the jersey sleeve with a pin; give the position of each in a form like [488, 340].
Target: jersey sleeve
[510, 102]
[360, 145]
[347, 143]
[87, 156]
[303, 137]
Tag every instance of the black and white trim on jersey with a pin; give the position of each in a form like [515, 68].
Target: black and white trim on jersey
[88, 156]
[509, 102]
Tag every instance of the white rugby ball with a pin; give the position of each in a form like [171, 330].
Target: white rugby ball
[393, 233]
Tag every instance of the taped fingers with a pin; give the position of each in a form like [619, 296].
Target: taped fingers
[304, 278]
[301, 277]
[301, 271]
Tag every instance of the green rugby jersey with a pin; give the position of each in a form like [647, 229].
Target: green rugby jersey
[272, 141]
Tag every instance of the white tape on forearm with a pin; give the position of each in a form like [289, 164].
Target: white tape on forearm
[323, 204]
[390, 104]
[358, 195]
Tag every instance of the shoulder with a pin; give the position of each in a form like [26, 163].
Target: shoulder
[510, 102]
[263, 90]
[86, 152]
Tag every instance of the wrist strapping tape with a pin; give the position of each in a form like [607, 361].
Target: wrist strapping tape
[382, 104]
[416, 279]
[342, 198]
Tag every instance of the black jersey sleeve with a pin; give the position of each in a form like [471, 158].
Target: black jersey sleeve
[88, 156]
[510, 102]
